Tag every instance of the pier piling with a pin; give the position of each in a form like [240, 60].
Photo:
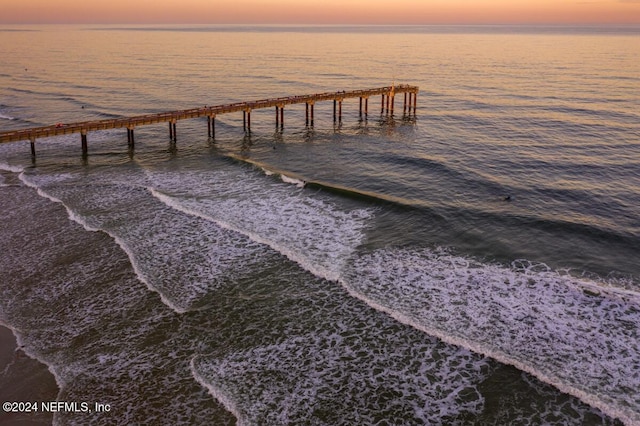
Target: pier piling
[211, 126]
[337, 109]
[364, 100]
[173, 136]
[130, 138]
[83, 138]
[281, 117]
[311, 107]
[246, 120]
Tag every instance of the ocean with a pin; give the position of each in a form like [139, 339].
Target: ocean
[474, 263]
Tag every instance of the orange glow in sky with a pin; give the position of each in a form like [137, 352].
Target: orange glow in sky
[322, 11]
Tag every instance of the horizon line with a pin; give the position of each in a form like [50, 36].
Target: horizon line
[307, 24]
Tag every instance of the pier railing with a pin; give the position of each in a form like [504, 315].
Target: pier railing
[388, 94]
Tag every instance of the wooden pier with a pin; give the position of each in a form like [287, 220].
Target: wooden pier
[387, 104]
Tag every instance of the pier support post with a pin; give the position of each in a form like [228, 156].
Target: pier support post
[404, 104]
[360, 107]
[281, 117]
[246, 120]
[83, 138]
[311, 107]
[212, 126]
[392, 101]
[364, 100]
[130, 138]
[173, 134]
[340, 110]
[415, 101]
[33, 148]
[382, 105]
[335, 101]
[306, 114]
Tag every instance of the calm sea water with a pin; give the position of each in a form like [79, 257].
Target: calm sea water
[368, 272]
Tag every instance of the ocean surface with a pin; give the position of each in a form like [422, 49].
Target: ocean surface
[474, 263]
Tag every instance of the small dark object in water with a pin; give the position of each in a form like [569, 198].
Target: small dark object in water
[507, 198]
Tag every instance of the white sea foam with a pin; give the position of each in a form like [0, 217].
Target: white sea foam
[297, 182]
[89, 332]
[90, 320]
[313, 233]
[85, 224]
[218, 394]
[340, 378]
[6, 117]
[10, 168]
[72, 215]
[94, 223]
[488, 306]
[526, 315]
[155, 237]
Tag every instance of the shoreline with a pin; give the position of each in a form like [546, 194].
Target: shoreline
[23, 379]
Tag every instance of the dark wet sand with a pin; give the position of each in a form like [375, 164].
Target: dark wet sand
[23, 379]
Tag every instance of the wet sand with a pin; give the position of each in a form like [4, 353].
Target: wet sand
[23, 379]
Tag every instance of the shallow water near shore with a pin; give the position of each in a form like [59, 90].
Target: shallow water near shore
[474, 263]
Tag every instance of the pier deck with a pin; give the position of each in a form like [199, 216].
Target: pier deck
[388, 94]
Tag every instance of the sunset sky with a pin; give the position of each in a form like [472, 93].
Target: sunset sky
[322, 11]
